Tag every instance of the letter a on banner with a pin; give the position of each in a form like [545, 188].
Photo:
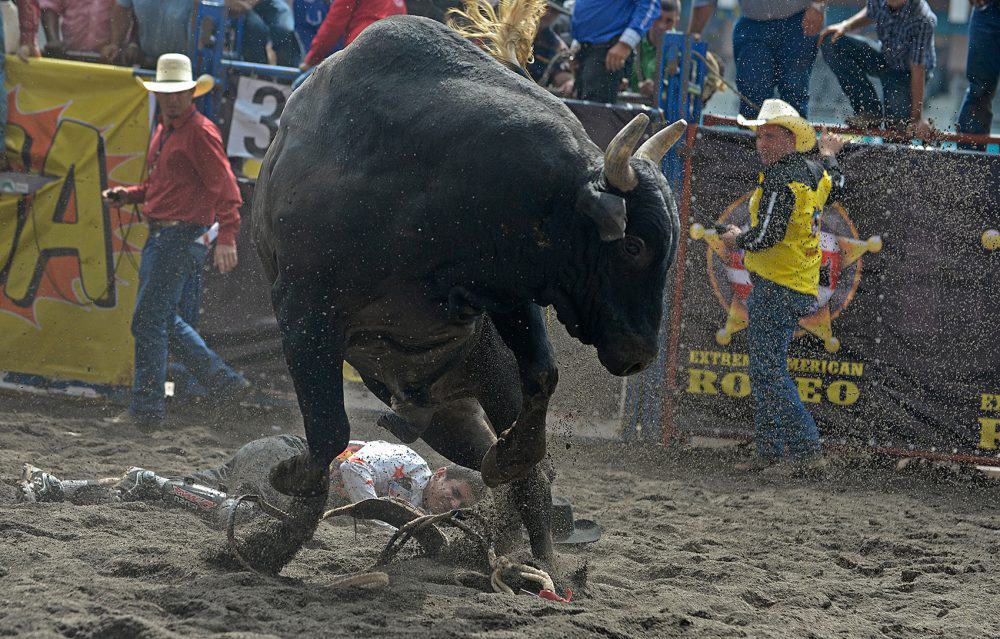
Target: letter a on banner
[68, 263]
[63, 221]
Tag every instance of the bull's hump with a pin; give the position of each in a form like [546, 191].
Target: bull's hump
[413, 34]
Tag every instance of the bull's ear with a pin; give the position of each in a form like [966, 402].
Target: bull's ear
[607, 211]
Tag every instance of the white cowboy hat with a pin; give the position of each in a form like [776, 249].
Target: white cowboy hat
[173, 75]
[784, 115]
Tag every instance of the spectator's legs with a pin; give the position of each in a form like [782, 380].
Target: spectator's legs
[255, 37]
[593, 80]
[982, 69]
[167, 261]
[852, 60]
[795, 53]
[896, 97]
[755, 64]
[280, 21]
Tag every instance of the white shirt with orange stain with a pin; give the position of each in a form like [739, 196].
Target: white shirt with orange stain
[382, 469]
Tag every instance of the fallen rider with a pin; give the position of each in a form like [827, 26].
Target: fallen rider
[365, 470]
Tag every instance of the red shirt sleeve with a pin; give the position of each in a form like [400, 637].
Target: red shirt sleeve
[218, 181]
[28, 13]
[333, 29]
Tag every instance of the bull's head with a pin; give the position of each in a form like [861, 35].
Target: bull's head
[612, 293]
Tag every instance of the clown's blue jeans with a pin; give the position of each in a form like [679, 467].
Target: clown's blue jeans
[782, 425]
[169, 259]
[982, 69]
[773, 54]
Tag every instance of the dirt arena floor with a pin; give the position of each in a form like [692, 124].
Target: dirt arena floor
[691, 548]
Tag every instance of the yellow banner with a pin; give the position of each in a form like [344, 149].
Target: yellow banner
[69, 263]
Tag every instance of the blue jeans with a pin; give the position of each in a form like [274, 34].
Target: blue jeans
[271, 20]
[594, 82]
[782, 425]
[189, 309]
[854, 60]
[169, 259]
[982, 69]
[773, 54]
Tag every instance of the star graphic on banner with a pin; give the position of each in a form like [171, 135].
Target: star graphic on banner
[839, 252]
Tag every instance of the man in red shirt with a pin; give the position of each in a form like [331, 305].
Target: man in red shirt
[189, 185]
[344, 22]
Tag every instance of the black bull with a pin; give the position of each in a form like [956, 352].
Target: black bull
[418, 204]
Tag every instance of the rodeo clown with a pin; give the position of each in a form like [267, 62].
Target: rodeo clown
[364, 470]
[781, 251]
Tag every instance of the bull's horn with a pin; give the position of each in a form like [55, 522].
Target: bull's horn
[657, 146]
[617, 170]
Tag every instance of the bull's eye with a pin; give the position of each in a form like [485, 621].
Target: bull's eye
[633, 246]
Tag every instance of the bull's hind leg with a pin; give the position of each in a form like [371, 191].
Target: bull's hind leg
[314, 346]
[522, 446]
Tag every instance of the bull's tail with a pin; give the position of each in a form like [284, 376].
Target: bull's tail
[506, 33]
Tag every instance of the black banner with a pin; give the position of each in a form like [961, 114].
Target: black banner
[903, 351]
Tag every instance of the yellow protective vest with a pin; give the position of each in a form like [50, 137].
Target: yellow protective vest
[794, 261]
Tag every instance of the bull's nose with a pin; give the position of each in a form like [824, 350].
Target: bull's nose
[622, 365]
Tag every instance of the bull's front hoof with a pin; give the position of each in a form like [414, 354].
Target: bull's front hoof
[300, 476]
[503, 464]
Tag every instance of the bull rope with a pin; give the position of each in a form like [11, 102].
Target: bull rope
[501, 566]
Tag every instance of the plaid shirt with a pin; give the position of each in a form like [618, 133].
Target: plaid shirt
[907, 35]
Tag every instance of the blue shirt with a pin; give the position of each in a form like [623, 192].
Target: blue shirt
[907, 35]
[163, 25]
[309, 15]
[601, 21]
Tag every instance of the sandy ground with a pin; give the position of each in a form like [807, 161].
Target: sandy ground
[692, 548]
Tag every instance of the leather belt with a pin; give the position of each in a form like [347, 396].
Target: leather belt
[159, 225]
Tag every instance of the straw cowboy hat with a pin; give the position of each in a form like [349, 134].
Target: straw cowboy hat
[784, 115]
[173, 75]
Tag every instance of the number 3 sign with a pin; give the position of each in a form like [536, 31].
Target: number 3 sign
[256, 113]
